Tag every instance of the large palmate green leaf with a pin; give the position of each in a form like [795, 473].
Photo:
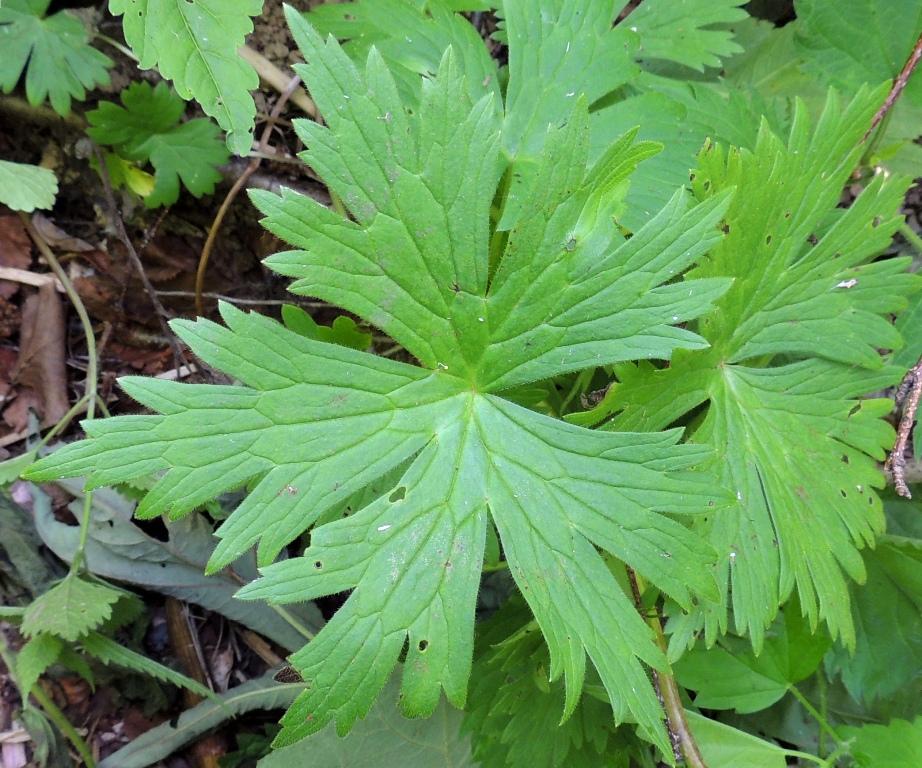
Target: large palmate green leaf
[793, 345]
[316, 422]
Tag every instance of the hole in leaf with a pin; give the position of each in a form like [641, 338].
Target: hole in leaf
[423, 645]
[844, 494]
[318, 564]
[876, 222]
[845, 458]
[768, 240]
[398, 495]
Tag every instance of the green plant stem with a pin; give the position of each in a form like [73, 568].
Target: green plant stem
[70, 733]
[821, 745]
[825, 727]
[668, 688]
[581, 384]
[338, 204]
[48, 706]
[92, 366]
[298, 627]
[124, 49]
[911, 237]
[64, 421]
[876, 140]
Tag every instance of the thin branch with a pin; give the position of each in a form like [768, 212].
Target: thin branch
[907, 396]
[898, 85]
[135, 260]
[234, 190]
[683, 741]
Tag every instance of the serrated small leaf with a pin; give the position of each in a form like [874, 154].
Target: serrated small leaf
[34, 658]
[693, 33]
[26, 187]
[55, 53]
[108, 651]
[412, 37]
[146, 111]
[194, 44]
[147, 129]
[70, 609]
[344, 331]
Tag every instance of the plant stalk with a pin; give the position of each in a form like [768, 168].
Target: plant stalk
[48, 707]
[92, 366]
[671, 700]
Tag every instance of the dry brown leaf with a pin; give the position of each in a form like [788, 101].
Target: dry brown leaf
[15, 251]
[57, 237]
[42, 365]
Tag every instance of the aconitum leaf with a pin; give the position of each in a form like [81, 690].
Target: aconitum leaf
[316, 422]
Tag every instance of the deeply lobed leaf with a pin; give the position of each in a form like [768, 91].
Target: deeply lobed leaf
[792, 347]
[314, 423]
[147, 129]
[54, 52]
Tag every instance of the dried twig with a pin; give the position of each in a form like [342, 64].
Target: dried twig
[907, 396]
[122, 233]
[238, 185]
[898, 85]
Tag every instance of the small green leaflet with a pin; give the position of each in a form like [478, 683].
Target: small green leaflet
[794, 344]
[108, 651]
[895, 745]
[55, 53]
[193, 43]
[733, 677]
[725, 747]
[41, 652]
[695, 33]
[148, 129]
[513, 712]
[70, 609]
[316, 422]
[888, 611]
[25, 188]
